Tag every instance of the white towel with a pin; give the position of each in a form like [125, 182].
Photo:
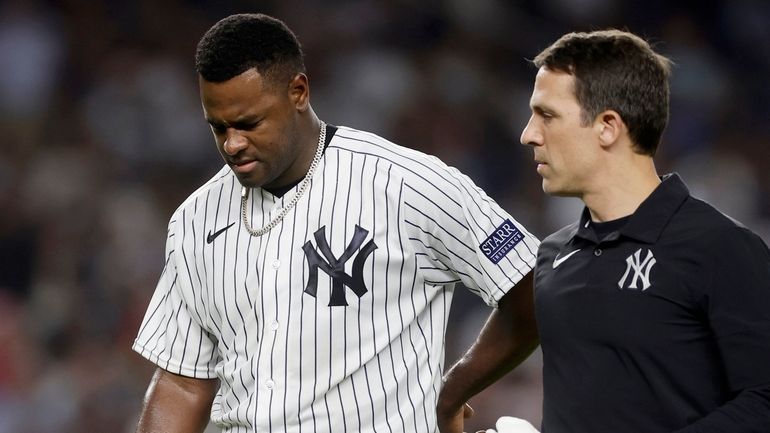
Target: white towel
[509, 424]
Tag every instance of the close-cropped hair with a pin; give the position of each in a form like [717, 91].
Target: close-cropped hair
[244, 41]
[616, 70]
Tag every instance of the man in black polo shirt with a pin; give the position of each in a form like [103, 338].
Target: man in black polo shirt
[653, 308]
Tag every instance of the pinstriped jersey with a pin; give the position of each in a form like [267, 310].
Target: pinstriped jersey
[334, 320]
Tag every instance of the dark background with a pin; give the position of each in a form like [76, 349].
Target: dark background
[102, 137]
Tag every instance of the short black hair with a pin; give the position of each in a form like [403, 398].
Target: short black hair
[616, 70]
[244, 41]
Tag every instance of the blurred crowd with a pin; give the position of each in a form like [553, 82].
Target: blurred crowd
[102, 136]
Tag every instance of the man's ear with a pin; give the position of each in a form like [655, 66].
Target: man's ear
[299, 92]
[610, 127]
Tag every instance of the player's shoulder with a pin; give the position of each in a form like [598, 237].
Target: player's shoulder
[410, 164]
[224, 175]
[368, 143]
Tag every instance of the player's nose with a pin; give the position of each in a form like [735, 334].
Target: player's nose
[234, 142]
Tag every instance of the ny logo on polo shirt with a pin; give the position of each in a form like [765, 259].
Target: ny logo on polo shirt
[641, 269]
[335, 267]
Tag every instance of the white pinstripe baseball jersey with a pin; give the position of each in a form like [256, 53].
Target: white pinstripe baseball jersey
[333, 321]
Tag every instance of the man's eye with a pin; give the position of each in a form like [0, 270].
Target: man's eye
[248, 126]
[218, 129]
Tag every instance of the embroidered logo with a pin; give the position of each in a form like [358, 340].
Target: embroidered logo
[210, 238]
[641, 270]
[335, 267]
[557, 261]
[501, 241]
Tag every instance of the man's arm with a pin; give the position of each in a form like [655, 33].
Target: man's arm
[176, 404]
[748, 412]
[739, 299]
[508, 338]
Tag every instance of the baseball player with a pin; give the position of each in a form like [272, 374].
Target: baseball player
[307, 285]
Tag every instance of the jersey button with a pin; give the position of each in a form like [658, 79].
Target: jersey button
[276, 264]
[269, 384]
[598, 252]
[274, 326]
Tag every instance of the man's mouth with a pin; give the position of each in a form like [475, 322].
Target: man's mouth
[244, 166]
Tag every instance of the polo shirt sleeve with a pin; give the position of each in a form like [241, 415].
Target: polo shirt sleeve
[739, 306]
[462, 235]
[172, 334]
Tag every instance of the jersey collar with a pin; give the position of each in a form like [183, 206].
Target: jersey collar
[649, 220]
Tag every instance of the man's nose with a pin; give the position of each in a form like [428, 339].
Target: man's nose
[234, 142]
[530, 135]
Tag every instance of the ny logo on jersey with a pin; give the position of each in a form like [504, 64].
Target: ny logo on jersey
[641, 269]
[335, 267]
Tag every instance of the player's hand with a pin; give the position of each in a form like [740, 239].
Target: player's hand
[509, 424]
[454, 422]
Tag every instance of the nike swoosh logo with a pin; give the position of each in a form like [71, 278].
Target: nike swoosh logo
[557, 261]
[210, 238]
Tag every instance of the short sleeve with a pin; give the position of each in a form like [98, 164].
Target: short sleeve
[172, 333]
[462, 235]
[739, 307]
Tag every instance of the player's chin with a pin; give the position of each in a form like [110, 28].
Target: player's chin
[250, 181]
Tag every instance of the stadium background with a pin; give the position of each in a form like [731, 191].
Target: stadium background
[102, 137]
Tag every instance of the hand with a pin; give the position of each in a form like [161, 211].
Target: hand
[454, 422]
[509, 424]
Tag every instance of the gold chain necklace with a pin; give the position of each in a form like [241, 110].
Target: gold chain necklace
[302, 187]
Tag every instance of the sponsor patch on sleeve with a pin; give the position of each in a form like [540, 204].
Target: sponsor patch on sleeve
[501, 241]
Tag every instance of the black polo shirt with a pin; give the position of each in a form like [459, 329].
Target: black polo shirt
[657, 325]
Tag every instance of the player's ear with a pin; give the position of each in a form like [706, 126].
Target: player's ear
[610, 127]
[299, 92]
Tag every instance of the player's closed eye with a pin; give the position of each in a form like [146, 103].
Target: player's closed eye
[247, 126]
